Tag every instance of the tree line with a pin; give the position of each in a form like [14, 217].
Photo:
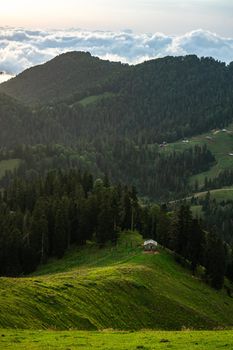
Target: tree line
[217, 215]
[224, 178]
[148, 168]
[44, 217]
[187, 237]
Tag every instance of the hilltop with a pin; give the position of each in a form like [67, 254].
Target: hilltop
[115, 287]
[65, 75]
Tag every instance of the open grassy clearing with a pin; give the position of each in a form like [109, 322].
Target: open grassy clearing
[119, 288]
[220, 194]
[49, 340]
[197, 211]
[220, 144]
[8, 165]
[94, 98]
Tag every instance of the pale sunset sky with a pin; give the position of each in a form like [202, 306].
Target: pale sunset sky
[167, 16]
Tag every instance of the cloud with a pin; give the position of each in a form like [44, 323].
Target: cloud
[5, 77]
[21, 48]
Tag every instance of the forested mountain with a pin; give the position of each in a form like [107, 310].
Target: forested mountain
[167, 99]
[72, 73]
[113, 116]
[162, 99]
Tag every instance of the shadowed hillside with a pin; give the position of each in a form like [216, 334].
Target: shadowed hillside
[67, 74]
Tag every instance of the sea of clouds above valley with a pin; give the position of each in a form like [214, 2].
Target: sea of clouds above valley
[23, 48]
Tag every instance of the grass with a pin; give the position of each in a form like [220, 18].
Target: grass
[92, 99]
[197, 211]
[119, 288]
[71, 340]
[8, 165]
[220, 144]
[220, 194]
[107, 299]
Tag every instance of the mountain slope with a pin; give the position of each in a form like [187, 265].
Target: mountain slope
[15, 118]
[114, 116]
[116, 288]
[162, 99]
[167, 99]
[66, 74]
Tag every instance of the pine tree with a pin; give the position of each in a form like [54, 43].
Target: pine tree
[60, 232]
[215, 261]
[195, 245]
[163, 227]
[39, 231]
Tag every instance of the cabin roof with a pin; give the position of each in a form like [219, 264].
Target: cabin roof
[150, 241]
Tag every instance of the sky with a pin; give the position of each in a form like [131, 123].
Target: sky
[32, 32]
[167, 16]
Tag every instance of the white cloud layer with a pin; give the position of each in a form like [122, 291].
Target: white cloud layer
[23, 48]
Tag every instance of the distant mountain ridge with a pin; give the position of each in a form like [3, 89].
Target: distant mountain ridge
[66, 74]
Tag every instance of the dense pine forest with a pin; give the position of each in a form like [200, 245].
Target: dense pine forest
[217, 215]
[153, 169]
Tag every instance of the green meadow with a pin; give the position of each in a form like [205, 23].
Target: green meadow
[119, 288]
[95, 98]
[74, 340]
[113, 298]
[8, 165]
[219, 142]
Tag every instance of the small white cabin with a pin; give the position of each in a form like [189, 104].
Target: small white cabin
[150, 245]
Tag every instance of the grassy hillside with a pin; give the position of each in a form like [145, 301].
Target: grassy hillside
[220, 194]
[219, 142]
[28, 340]
[95, 98]
[8, 165]
[120, 288]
